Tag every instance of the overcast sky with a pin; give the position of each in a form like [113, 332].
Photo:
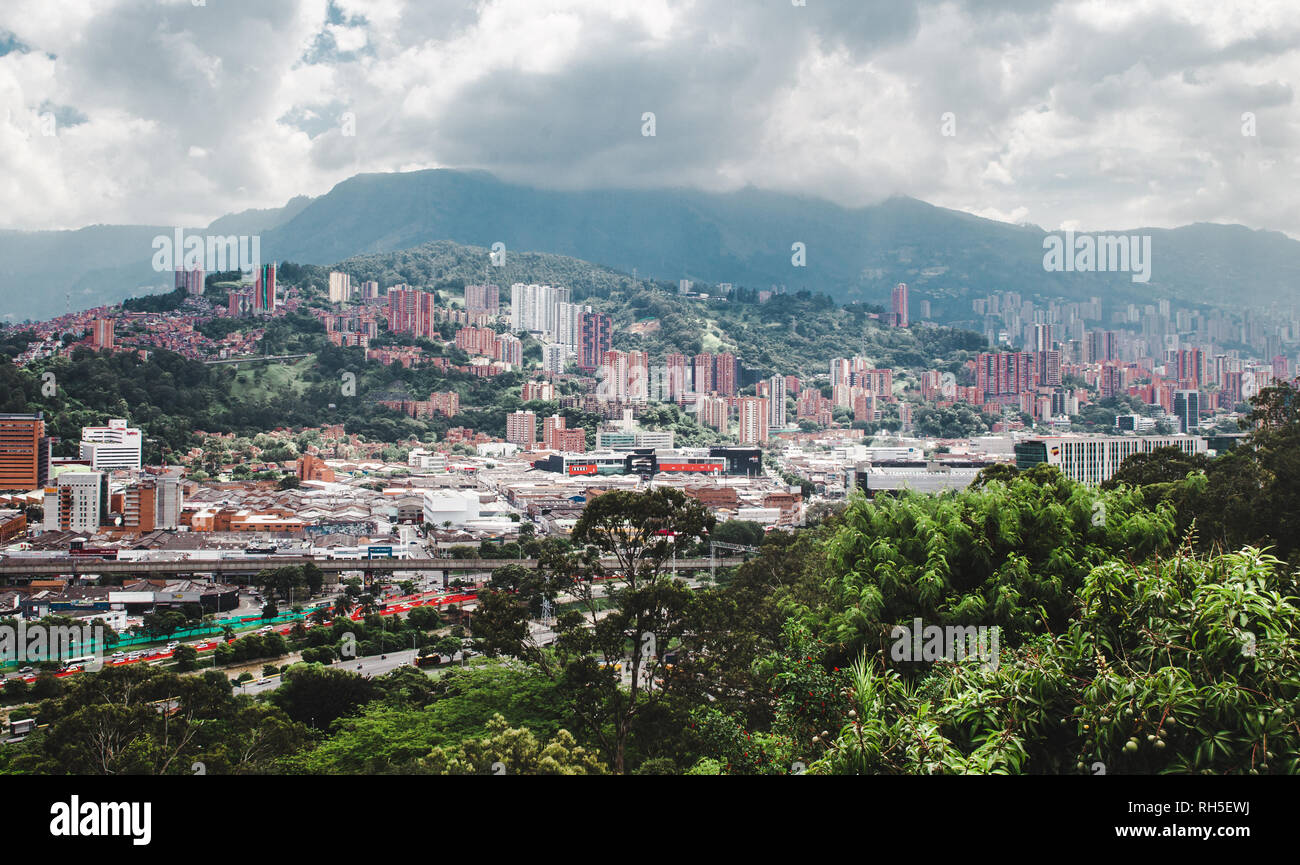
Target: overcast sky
[1067, 115]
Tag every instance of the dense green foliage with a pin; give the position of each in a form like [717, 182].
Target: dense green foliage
[1007, 555]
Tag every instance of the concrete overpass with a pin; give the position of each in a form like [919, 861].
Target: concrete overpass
[20, 568]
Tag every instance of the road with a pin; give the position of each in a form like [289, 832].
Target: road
[542, 635]
[157, 654]
[375, 665]
[11, 566]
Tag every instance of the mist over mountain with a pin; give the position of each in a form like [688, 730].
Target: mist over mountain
[745, 237]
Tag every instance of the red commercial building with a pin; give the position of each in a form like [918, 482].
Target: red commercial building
[20, 451]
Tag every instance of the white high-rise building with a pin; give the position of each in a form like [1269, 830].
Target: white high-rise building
[111, 447]
[776, 402]
[840, 369]
[535, 307]
[73, 505]
[554, 357]
[753, 420]
[340, 287]
[568, 324]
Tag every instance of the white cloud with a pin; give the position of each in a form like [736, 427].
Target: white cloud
[1099, 115]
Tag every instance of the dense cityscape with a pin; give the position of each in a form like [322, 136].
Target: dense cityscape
[678, 389]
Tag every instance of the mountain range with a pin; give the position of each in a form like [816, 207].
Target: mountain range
[747, 238]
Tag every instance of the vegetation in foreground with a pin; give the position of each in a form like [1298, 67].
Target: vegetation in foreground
[1152, 626]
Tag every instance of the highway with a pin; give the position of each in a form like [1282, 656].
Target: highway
[33, 567]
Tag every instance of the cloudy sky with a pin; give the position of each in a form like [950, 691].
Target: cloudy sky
[1069, 115]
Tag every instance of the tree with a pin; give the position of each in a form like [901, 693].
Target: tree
[186, 658]
[447, 646]
[513, 751]
[648, 610]
[1011, 555]
[313, 577]
[742, 532]
[1158, 675]
[164, 622]
[109, 724]
[317, 695]
[1162, 465]
[501, 627]
[1001, 472]
[418, 714]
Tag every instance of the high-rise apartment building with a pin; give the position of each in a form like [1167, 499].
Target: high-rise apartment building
[613, 377]
[554, 357]
[101, 335]
[568, 324]
[483, 298]
[411, 311]
[191, 280]
[534, 307]
[521, 429]
[712, 412]
[1190, 366]
[899, 300]
[152, 504]
[1101, 346]
[678, 380]
[480, 341]
[549, 426]
[597, 332]
[638, 376]
[340, 287]
[1047, 368]
[753, 420]
[776, 402]
[509, 349]
[840, 371]
[264, 297]
[1281, 368]
[726, 373]
[1004, 373]
[1111, 381]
